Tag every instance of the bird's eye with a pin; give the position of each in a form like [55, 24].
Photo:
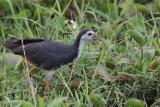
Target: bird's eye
[89, 34]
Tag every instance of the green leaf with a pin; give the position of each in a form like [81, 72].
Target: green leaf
[96, 100]
[110, 62]
[105, 7]
[66, 7]
[58, 5]
[57, 101]
[142, 8]
[19, 66]
[137, 22]
[138, 37]
[25, 12]
[157, 53]
[41, 102]
[4, 4]
[123, 61]
[157, 5]
[128, 7]
[82, 105]
[154, 64]
[55, 11]
[24, 103]
[120, 49]
[78, 9]
[133, 102]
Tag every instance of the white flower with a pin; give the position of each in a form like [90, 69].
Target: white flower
[72, 21]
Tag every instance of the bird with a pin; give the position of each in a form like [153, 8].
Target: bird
[50, 55]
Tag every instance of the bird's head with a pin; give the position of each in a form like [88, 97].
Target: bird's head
[88, 35]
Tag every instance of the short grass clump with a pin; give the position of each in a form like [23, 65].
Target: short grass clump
[124, 70]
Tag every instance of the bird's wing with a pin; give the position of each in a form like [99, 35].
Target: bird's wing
[17, 43]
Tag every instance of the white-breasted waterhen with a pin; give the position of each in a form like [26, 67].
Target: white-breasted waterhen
[50, 55]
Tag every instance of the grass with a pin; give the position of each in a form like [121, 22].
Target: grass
[107, 74]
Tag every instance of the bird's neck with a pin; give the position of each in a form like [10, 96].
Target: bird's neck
[79, 44]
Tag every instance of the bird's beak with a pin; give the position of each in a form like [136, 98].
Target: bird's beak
[97, 37]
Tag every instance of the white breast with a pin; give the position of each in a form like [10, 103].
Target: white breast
[80, 49]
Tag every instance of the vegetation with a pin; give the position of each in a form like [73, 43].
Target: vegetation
[122, 71]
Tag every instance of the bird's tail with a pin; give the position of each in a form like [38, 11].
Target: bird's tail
[10, 44]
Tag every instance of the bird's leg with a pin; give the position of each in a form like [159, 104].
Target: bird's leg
[31, 71]
[49, 75]
[47, 89]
